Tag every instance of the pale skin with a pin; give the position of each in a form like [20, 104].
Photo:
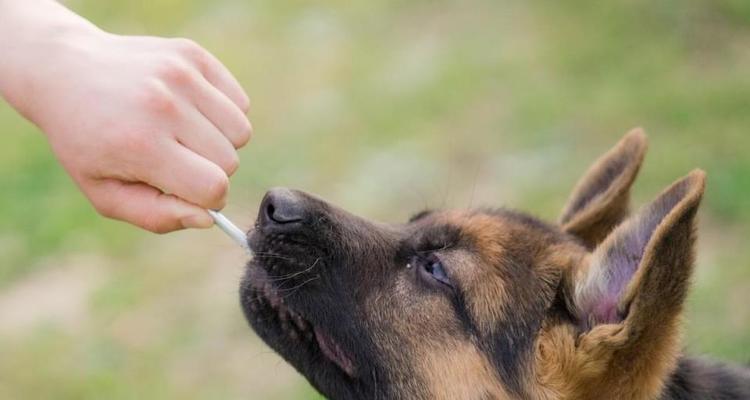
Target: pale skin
[147, 127]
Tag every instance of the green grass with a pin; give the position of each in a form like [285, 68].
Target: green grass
[384, 108]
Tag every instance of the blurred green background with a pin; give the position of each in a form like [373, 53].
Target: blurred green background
[384, 108]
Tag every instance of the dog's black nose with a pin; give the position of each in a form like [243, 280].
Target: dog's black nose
[281, 207]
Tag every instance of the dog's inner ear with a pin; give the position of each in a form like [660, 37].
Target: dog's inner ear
[601, 198]
[639, 274]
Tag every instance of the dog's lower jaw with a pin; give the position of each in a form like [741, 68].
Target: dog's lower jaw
[309, 349]
[333, 351]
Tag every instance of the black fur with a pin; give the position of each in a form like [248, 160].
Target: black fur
[696, 379]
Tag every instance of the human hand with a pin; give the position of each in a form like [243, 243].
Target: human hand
[147, 127]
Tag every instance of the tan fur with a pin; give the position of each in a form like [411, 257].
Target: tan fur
[487, 232]
[485, 287]
[600, 364]
[630, 360]
[470, 375]
[448, 365]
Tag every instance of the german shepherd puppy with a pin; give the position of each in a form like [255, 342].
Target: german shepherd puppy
[488, 303]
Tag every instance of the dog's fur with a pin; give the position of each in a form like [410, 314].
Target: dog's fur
[489, 303]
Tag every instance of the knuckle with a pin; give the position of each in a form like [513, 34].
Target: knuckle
[189, 48]
[176, 71]
[185, 44]
[158, 98]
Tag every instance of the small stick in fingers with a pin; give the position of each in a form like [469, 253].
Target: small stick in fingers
[231, 230]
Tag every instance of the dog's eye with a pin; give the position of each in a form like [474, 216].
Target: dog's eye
[432, 269]
[437, 271]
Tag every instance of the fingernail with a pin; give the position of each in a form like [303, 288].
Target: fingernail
[199, 221]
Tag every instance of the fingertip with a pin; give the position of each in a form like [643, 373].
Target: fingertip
[199, 219]
[244, 136]
[244, 102]
[216, 192]
[190, 215]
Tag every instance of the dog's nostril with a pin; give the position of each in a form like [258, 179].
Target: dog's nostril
[283, 206]
[270, 210]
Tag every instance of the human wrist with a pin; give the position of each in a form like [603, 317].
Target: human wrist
[22, 18]
[35, 36]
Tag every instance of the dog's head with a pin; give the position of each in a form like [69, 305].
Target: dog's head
[476, 304]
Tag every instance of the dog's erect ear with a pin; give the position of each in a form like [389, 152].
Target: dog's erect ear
[639, 275]
[627, 298]
[600, 199]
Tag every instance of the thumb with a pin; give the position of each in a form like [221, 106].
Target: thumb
[146, 207]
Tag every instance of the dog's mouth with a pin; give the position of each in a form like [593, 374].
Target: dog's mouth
[281, 325]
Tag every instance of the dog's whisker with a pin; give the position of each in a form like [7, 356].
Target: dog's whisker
[273, 255]
[294, 289]
[281, 278]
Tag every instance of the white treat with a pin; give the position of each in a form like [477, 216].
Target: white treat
[231, 230]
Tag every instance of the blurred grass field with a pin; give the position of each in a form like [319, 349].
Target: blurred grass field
[383, 108]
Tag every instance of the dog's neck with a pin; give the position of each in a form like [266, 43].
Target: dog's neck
[700, 379]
